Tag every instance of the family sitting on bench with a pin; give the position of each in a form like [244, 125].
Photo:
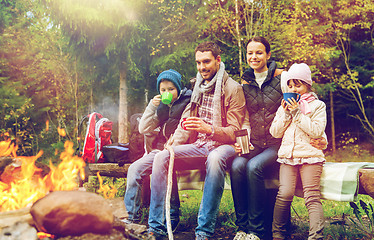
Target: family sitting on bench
[201, 126]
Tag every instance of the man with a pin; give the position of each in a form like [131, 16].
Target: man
[216, 111]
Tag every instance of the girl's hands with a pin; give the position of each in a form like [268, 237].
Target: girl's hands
[289, 106]
[284, 105]
[156, 100]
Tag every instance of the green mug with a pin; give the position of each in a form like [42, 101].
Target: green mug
[166, 98]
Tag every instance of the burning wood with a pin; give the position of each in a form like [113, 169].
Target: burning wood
[23, 184]
[56, 209]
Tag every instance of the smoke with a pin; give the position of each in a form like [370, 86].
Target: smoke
[108, 108]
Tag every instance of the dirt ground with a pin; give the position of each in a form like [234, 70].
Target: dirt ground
[118, 234]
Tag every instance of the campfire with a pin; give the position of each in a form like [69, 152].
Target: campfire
[22, 183]
[51, 196]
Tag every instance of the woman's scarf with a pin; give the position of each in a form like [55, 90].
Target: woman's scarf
[216, 84]
[304, 101]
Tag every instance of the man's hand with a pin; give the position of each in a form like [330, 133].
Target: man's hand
[197, 124]
[319, 143]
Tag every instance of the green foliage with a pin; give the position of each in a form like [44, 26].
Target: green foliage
[62, 59]
[359, 212]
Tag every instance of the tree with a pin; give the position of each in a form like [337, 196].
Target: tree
[348, 17]
[34, 79]
[109, 28]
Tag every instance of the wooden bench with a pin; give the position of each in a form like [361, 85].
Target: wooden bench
[366, 179]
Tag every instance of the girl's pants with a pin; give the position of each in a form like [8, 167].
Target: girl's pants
[310, 175]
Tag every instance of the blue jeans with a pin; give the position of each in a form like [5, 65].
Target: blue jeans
[248, 188]
[137, 171]
[189, 157]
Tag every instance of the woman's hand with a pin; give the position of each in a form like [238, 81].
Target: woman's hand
[319, 143]
[156, 100]
[238, 149]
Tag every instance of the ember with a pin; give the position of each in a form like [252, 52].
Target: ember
[42, 235]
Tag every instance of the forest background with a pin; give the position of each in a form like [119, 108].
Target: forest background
[63, 59]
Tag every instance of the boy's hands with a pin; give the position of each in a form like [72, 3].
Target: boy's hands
[156, 100]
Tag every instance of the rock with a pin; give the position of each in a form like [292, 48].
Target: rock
[8, 218]
[64, 213]
[19, 231]
[366, 177]
[118, 207]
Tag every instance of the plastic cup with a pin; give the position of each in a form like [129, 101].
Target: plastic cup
[166, 98]
[182, 123]
[287, 96]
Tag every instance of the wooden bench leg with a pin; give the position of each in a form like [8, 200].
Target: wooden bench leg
[146, 192]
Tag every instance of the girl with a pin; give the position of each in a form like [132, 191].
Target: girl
[296, 123]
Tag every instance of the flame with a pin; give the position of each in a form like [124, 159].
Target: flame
[61, 131]
[7, 148]
[42, 235]
[108, 192]
[22, 185]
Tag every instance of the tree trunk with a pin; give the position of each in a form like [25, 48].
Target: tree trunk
[333, 143]
[76, 97]
[91, 96]
[123, 114]
[238, 37]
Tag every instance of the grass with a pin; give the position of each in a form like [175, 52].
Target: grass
[337, 214]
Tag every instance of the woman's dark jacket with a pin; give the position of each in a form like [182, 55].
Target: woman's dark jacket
[262, 104]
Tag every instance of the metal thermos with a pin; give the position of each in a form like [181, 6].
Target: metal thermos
[243, 140]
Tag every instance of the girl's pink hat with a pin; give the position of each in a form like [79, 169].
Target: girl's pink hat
[300, 71]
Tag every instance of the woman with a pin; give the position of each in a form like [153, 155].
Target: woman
[262, 90]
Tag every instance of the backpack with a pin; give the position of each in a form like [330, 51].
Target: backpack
[141, 144]
[98, 134]
[136, 141]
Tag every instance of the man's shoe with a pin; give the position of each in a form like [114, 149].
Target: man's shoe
[240, 236]
[251, 236]
[129, 221]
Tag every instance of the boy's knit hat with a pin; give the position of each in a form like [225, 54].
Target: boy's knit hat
[171, 75]
[300, 71]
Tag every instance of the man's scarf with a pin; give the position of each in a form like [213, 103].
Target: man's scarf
[216, 84]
